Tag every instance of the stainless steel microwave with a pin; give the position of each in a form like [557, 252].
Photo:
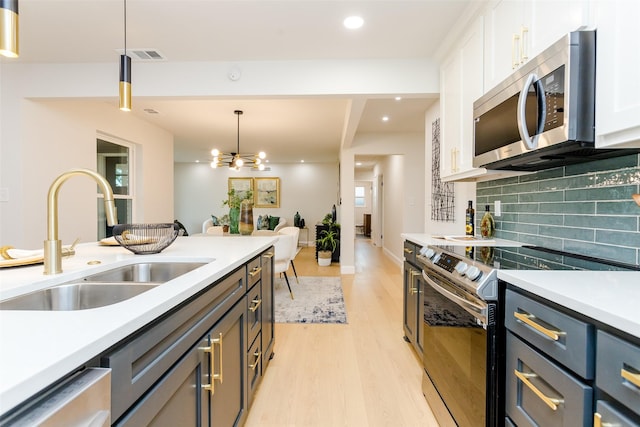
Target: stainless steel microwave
[543, 115]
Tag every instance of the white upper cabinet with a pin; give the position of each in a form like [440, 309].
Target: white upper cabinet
[618, 73]
[516, 31]
[461, 83]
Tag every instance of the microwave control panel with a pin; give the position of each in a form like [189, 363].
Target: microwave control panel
[553, 84]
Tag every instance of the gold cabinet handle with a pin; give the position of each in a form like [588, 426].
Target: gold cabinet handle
[413, 290]
[257, 355]
[524, 32]
[408, 251]
[528, 320]
[597, 421]
[256, 303]
[212, 362]
[255, 271]
[268, 255]
[631, 377]
[549, 401]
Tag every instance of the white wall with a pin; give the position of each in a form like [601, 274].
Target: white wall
[464, 191]
[308, 188]
[404, 186]
[52, 137]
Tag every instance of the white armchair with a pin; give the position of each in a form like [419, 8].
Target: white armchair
[295, 233]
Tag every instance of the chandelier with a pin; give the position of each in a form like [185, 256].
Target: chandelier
[238, 160]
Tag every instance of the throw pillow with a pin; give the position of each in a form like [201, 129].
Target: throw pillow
[273, 222]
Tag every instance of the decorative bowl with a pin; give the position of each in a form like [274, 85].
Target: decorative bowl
[145, 239]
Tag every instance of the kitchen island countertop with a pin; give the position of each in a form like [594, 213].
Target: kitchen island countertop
[40, 347]
[610, 297]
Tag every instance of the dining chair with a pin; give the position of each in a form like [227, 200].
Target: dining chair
[282, 249]
[295, 232]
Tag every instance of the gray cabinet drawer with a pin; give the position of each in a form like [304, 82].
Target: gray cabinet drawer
[607, 415]
[254, 312]
[410, 251]
[525, 398]
[618, 370]
[254, 269]
[564, 338]
[139, 363]
[254, 368]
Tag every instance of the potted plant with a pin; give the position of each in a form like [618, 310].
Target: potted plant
[327, 243]
[224, 222]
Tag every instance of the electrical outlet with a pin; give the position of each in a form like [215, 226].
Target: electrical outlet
[498, 208]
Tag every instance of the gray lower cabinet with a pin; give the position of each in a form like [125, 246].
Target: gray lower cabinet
[193, 391]
[413, 298]
[195, 366]
[549, 360]
[564, 370]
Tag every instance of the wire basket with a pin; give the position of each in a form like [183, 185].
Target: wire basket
[145, 239]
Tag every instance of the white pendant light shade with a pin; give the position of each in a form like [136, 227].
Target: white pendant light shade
[9, 45]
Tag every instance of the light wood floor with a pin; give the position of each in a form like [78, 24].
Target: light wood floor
[359, 374]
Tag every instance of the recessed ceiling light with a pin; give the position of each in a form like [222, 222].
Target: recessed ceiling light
[358, 163]
[353, 22]
[301, 161]
[398, 98]
[385, 118]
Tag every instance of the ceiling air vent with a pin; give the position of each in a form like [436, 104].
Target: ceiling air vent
[144, 54]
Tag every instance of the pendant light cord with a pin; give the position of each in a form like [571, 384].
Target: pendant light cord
[125, 27]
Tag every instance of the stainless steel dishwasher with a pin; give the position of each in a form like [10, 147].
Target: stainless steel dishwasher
[83, 400]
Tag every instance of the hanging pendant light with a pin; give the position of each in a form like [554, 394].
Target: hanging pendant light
[125, 71]
[9, 45]
[237, 160]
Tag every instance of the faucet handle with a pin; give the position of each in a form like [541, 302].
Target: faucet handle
[71, 250]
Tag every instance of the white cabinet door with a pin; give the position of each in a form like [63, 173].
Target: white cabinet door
[618, 73]
[518, 30]
[503, 25]
[461, 83]
[548, 22]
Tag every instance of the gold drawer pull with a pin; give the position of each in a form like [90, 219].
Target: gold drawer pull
[255, 271]
[257, 355]
[256, 303]
[212, 360]
[408, 251]
[631, 377]
[550, 402]
[528, 319]
[268, 255]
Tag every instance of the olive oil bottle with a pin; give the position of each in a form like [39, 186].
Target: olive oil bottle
[487, 224]
[469, 219]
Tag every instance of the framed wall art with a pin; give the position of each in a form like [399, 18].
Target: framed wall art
[241, 186]
[267, 193]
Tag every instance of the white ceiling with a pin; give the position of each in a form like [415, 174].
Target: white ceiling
[289, 129]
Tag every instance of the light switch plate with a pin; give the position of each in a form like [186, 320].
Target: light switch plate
[498, 208]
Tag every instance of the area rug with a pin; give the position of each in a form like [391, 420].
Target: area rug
[317, 299]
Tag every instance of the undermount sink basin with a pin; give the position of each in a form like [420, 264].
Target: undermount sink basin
[76, 296]
[145, 272]
[101, 289]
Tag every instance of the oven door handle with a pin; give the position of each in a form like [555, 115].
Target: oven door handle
[477, 311]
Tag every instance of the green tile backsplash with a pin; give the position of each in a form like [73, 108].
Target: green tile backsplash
[584, 208]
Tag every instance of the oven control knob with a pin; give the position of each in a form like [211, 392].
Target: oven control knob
[429, 253]
[461, 267]
[473, 273]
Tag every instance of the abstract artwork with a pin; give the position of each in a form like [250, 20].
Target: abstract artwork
[267, 192]
[442, 193]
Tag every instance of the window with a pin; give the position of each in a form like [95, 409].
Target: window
[114, 163]
[360, 201]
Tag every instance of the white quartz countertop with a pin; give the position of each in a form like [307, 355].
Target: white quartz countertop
[610, 297]
[39, 347]
[429, 239]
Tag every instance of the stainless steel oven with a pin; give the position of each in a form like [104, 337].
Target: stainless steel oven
[464, 335]
[462, 338]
